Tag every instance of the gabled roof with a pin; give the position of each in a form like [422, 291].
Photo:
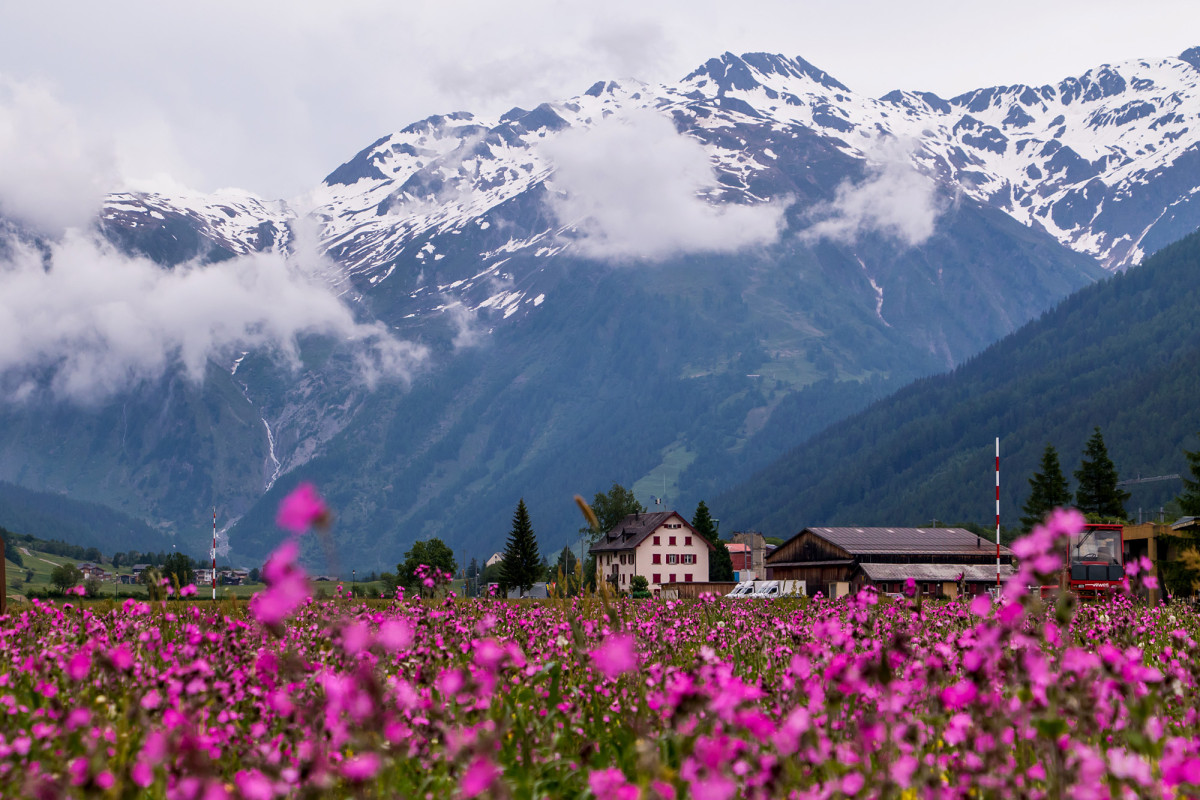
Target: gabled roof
[916, 541]
[634, 529]
[936, 572]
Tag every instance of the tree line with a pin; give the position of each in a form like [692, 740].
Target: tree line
[522, 564]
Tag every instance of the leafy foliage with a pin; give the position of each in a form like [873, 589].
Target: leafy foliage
[432, 552]
[720, 563]
[1189, 498]
[1048, 490]
[522, 566]
[64, 576]
[178, 567]
[610, 508]
[1098, 493]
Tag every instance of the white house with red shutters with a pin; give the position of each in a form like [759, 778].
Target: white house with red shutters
[661, 546]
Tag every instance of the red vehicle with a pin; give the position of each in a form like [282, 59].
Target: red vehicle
[1095, 560]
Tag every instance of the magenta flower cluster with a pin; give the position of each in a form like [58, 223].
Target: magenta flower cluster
[599, 698]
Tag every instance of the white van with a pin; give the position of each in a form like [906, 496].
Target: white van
[743, 589]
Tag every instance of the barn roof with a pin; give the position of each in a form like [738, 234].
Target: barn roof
[936, 572]
[913, 541]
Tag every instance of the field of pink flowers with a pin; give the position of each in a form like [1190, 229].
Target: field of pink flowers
[599, 697]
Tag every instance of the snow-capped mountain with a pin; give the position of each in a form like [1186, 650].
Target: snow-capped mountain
[1106, 162]
[874, 240]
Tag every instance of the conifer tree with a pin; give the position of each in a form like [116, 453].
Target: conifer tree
[522, 565]
[720, 565]
[1048, 490]
[1098, 493]
[1189, 498]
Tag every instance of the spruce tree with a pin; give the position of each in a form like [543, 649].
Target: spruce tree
[720, 565]
[1098, 493]
[522, 565]
[1048, 490]
[1189, 499]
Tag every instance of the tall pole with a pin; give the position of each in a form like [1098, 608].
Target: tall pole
[214, 555]
[997, 512]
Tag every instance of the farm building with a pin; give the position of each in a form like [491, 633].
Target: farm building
[662, 546]
[835, 561]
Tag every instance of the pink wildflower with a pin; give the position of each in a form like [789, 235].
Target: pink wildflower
[301, 509]
[142, 774]
[959, 695]
[361, 768]
[188, 591]
[478, 778]
[287, 586]
[79, 665]
[394, 635]
[611, 784]
[253, 785]
[615, 656]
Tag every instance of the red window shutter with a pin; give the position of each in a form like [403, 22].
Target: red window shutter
[656, 540]
[688, 577]
[687, 540]
[671, 540]
[672, 577]
[655, 558]
[657, 577]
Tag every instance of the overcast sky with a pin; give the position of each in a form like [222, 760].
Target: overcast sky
[272, 96]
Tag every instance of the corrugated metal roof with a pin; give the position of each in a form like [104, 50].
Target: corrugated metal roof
[933, 541]
[935, 572]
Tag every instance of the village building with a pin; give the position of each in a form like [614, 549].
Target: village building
[839, 561]
[661, 546]
[757, 547]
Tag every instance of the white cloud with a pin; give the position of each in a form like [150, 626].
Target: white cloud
[51, 175]
[894, 199]
[634, 188]
[91, 322]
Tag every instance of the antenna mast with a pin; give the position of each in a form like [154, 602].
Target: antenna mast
[213, 553]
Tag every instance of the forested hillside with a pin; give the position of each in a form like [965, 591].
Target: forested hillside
[47, 515]
[1123, 354]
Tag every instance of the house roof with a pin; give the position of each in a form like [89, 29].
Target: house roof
[916, 541]
[634, 529]
[1186, 522]
[935, 572]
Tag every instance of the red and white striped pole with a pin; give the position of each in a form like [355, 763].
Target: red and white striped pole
[997, 512]
[214, 555]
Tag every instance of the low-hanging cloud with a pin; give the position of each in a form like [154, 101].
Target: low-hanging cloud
[89, 321]
[52, 176]
[894, 199]
[634, 188]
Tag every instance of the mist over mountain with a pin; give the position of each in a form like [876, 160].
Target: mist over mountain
[667, 286]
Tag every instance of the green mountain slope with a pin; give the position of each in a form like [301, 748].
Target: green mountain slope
[1123, 354]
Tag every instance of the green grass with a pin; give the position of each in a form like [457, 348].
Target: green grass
[42, 564]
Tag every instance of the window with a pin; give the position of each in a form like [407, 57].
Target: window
[672, 558]
[687, 577]
[671, 541]
[687, 540]
[689, 558]
[658, 540]
[623, 577]
[656, 558]
[672, 577]
[657, 578]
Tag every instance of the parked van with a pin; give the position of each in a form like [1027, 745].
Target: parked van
[743, 589]
[773, 589]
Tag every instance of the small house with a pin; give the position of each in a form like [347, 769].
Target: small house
[661, 546]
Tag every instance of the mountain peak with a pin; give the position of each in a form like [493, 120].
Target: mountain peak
[1191, 56]
[743, 72]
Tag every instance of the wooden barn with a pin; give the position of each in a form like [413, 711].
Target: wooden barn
[835, 561]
